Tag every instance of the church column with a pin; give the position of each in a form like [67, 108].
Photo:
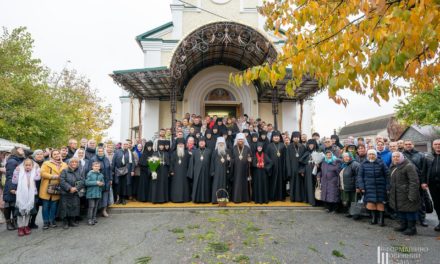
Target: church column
[275, 100]
[140, 118]
[173, 99]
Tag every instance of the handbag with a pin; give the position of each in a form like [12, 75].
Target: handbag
[121, 171]
[427, 200]
[80, 189]
[318, 190]
[357, 208]
[53, 188]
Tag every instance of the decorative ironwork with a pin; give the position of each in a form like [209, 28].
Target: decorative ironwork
[220, 94]
[225, 34]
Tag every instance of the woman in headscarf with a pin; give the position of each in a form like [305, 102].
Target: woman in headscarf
[263, 138]
[106, 170]
[373, 182]
[221, 127]
[84, 164]
[143, 194]
[71, 182]
[349, 172]
[329, 178]
[50, 174]
[25, 177]
[309, 169]
[229, 140]
[404, 193]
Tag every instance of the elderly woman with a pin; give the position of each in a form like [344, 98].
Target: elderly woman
[329, 178]
[71, 182]
[106, 170]
[84, 164]
[350, 169]
[373, 182]
[50, 174]
[404, 193]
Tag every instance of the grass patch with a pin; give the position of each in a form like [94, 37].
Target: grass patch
[242, 259]
[252, 228]
[341, 243]
[313, 248]
[143, 260]
[223, 212]
[176, 230]
[218, 247]
[209, 235]
[193, 226]
[196, 256]
[214, 219]
[180, 238]
[338, 254]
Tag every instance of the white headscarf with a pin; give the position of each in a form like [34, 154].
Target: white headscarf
[220, 140]
[241, 136]
[82, 161]
[26, 194]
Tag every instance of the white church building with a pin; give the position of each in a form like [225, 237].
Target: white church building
[187, 63]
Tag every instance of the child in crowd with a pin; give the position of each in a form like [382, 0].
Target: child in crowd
[94, 184]
[25, 176]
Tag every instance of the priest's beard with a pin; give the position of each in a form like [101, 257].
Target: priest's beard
[221, 150]
[180, 152]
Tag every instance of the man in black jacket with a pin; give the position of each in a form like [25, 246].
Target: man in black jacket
[418, 159]
[431, 178]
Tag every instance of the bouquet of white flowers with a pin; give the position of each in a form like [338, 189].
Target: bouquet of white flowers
[317, 158]
[153, 164]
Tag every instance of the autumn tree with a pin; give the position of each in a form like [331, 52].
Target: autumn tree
[372, 47]
[38, 112]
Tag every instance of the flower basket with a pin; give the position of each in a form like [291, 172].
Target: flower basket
[222, 200]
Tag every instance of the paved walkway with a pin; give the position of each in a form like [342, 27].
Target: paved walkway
[220, 236]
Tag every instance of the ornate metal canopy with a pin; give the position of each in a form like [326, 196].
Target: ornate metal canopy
[219, 43]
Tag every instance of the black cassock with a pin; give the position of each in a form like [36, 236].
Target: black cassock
[159, 187]
[220, 172]
[293, 154]
[260, 179]
[277, 187]
[309, 179]
[143, 193]
[179, 185]
[240, 174]
[199, 173]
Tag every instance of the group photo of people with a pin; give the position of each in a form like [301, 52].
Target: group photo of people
[210, 159]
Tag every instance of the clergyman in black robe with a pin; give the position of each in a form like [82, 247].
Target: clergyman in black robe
[199, 173]
[276, 151]
[294, 152]
[306, 171]
[179, 185]
[261, 167]
[159, 186]
[241, 160]
[220, 169]
[253, 143]
[210, 141]
[143, 193]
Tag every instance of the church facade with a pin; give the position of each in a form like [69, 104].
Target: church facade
[187, 64]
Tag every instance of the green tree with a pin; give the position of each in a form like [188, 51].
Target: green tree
[422, 108]
[36, 111]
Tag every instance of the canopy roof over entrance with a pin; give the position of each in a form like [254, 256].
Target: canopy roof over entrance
[219, 43]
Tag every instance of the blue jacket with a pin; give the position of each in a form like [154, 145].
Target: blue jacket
[93, 190]
[11, 165]
[373, 178]
[385, 155]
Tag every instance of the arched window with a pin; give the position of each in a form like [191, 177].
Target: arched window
[220, 94]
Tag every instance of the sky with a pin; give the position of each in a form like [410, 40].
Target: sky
[97, 37]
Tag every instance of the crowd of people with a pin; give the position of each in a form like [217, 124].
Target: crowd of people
[212, 159]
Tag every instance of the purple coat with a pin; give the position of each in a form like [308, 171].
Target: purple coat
[329, 175]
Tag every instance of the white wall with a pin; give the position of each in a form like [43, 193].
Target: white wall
[150, 118]
[125, 117]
